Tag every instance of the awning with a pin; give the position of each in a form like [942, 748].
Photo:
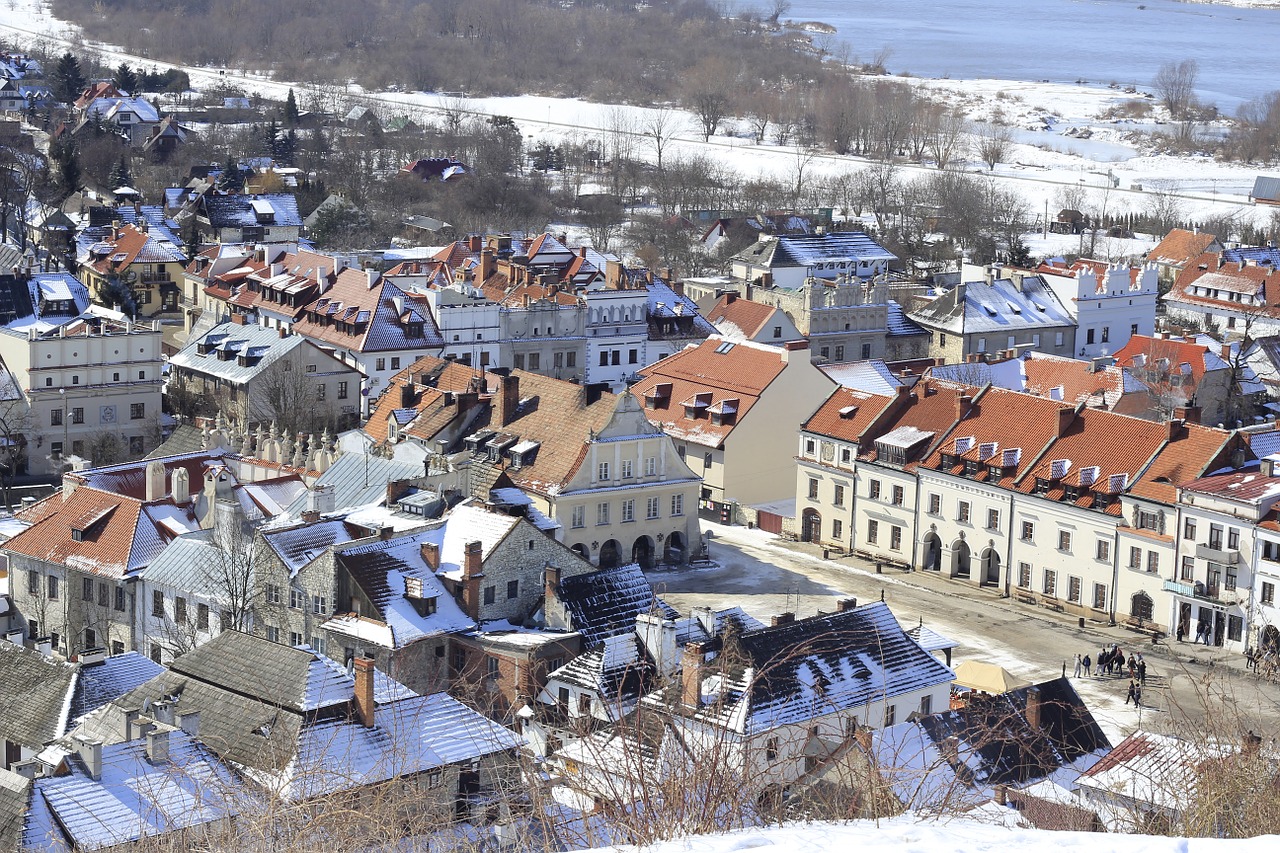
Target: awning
[987, 677]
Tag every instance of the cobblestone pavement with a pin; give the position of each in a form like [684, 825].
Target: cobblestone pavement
[1187, 685]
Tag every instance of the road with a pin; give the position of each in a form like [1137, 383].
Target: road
[766, 576]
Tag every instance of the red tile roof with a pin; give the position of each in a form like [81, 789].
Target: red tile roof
[750, 317]
[1177, 351]
[998, 420]
[1180, 247]
[847, 414]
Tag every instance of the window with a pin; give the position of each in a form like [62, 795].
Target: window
[342, 390]
[1230, 582]
[890, 715]
[1088, 337]
[295, 639]
[810, 448]
[490, 594]
[926, 705]
[895, 538]
[321, 391]
[839, 496]
[1073, 589]
[86, 589]
[1233, 538]
[846, 455]
[813, 488]
[993, 519]
[297, 600]
[1064, 540]
[633, 357]
[602, 513]
[1106, 334]
[311, 368]
[1188, 568]
[651, 508]
[935, 504]
[513, 589]
[604, 358]
[120, 599]
[180, 610]
[1153, 562]
[1057, 339]
[874, 490]
[626, 469]
[579, 516]
[1024, 575]
[380, 364]
[53, 587]
[899, 495]
[837, 529]
[272, 594]
[55, 417]
[771, 749]
[963, 515]
[839, 353]
[1099, 596]
[55, 449]
[706, 460]
[1268, 593]
[1235, 627]
[1102, 550]
[873, 531]
[535, 360]
[395, 362]
[651, 466]
[155, 653]
[202, 617]
[77, 415]
[137, 411]
[866, 352]
[677, 504]
[157, 603]
[33, 582]
[777, 331]
[319, 605]
[1135, 558]
[602, 471]
[1215, 536]
[1028, 531]
[1149, 520]
[1050, 587]
[629, 510]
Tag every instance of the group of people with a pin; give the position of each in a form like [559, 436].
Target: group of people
[1204, 632]
[1111, 660]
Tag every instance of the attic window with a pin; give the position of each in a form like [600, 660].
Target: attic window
[963, 445]
[986, 450]
[724, 347]
[1058, 468]
[1011, 457]
[1088, 475]
[848, 412]
[696, 405]
[1117, 483]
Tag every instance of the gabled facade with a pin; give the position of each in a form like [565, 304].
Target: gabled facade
[1229, 292]
[1179, 249]
[741, 319]
[130, 255]
[1111, 303]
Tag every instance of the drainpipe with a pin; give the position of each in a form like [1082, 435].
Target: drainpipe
[1008, 557]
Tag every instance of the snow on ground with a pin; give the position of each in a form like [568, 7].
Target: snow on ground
[1064, 141]
[912, 834]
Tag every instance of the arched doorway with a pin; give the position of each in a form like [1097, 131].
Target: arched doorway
[810, 526]
[1141, 607]
[610, 554]
[960, 559]
[990, 567]
[674, 551]
[932, 553]
[642, 552]
[581, 551]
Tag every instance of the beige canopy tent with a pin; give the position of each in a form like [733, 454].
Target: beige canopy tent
[987, 677]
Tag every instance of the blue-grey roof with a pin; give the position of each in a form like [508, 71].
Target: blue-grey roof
[975, 307]
[236, 211]
[163, 229]
[1254, 254]
[662, 302]
[359, 480]
[809, 249]
[298, 546]
[259, 346]
[1265, 443]
[873, 377]
[1266, 188]
[103, 682]
[900, 324]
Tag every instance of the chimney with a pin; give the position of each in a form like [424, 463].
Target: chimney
[430, 552]
[691, 676]
[472, 560]
[844, 605]
[550, 581]
[1188, 414]
[189, 722]
[1226, 353]
[283, 332]
[386, 533]
[658, 637]
[507, 400]
[154, 474]
[91, 754]
[471, 577]
[238, 319]
[782, 619]
[364, 690]
[162, 710]
[963, 404]
[730, 298]
[44, 646]
[1065, 416]
[181, 488]
[371, 278]
[92, 657]
[487, 266]
[1002, 795]
[1033, 707]
[310, 516]
[158, 746]
[794, 346]
[1175, 428]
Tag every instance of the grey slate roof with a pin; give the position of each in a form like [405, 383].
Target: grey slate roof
[606, 602]
[236, 211]
[900, 325]
[184, 439]
[34, 695]
[14, 792]
[359, 480]
[258, 347]
[297, 546]
[104, 682]
[1266, 188]
[976, 307]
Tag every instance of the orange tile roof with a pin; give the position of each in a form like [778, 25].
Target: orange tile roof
[1196, 450]
[1176, 350]
[128, 241]
[1080, 382]
[930, 406]
[748, 316]
[1097, 445]
[1180, 247]
[1210, 271]
[117, 534]
[1011, 421]
[721, 370]
[846, 414]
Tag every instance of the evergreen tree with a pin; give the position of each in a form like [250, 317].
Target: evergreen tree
[270, 138]
[231, 180]
[66, 164]
[68, 81]
[290, 111]
[126, 79]
[120, 176]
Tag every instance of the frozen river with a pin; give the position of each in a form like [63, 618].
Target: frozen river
[1101, 41]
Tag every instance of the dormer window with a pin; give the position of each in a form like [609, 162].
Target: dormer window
[697, 405]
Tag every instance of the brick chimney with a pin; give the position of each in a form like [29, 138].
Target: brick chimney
[844, 605]
[488, 265]
[363, 698]
[1065, 417]
[1033, 707]
[791, 347]
[310, 516]
[963, 404]
[507, 400]
[691, 676]
[431, 555]
[550, 581]
[782, 619]
[471, 577]
[1188, 414]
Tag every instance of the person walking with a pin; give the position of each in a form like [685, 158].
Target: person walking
[1142, 672]
[1133, 666]
[1133, 694]
[1088, 665]
[1182, 631]
[1079, 663]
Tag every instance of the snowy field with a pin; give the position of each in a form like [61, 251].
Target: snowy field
[909, 834]
[1064, 142]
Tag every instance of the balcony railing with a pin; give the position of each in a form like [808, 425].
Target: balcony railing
[1197, 589]
[1227, 556]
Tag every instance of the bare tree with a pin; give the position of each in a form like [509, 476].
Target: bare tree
[15, 424]
[285, 394]
[992, 141]
[946, 130]
[707, 93]
[660, 126]
[1175, 85]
